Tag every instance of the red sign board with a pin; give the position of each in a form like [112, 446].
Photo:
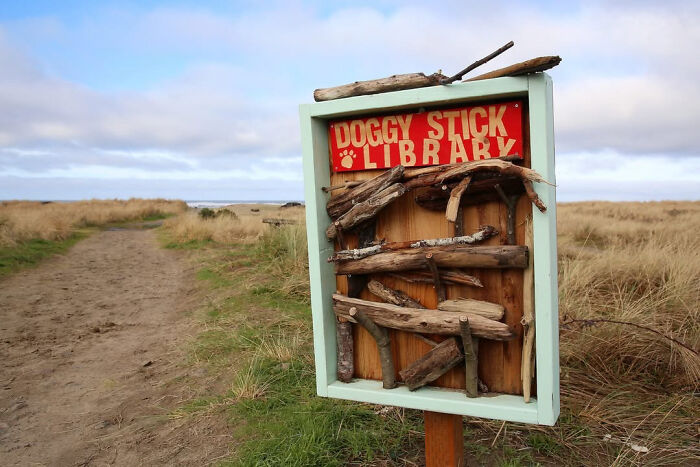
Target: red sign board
[436, 137]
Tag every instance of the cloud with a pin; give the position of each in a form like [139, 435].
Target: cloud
[228, 107]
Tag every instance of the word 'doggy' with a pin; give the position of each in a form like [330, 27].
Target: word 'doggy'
[434, 137]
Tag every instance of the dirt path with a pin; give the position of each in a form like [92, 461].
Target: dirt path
[91, 352]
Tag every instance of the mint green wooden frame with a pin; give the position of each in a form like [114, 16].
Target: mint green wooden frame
[314, 131]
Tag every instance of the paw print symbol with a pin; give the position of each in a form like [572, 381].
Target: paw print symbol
[346, 158]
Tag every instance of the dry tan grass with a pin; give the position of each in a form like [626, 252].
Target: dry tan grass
[245, 227]
[26, 220]
[635, 262]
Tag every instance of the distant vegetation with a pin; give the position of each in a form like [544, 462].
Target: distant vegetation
[234, 224]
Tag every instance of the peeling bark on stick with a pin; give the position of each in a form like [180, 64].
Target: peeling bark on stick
[339, 205]
[376, 86]
[438, 361]
[476, 307]
[499, 257]
[485, 232]
[382, 337]
[395, 297]
[367, 209]
[422, 321]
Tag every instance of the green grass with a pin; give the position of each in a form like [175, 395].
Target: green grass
[261, 336]
[30, 253]
[257, 338]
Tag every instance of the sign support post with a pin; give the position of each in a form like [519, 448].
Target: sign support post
[444, 442]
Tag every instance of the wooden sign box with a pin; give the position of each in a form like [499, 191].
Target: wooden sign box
[499, 362]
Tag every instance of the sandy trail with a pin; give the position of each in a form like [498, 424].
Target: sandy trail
[91, 355]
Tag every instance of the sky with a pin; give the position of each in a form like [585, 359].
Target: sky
[198, 100]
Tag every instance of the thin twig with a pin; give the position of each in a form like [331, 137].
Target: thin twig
[591, 322]
[477, 64]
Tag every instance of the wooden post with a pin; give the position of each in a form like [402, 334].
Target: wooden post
[444, 442]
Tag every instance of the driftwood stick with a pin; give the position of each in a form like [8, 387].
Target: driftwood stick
[449, 277]
[342, 203]
[511, 203]
[376, 86]
[460, 256]
[476, 307]
[438, 361]
[410, 173]
[530, 190]
[437, 284]
[456, 198]
[389, 295]
[491, 165]
[477, 63]
[346, 185]
[367, 209]
[421, 320]
[470, 360]
[528, 319]
[529, 66]
[346, 361]
[380, 335]
[485, 232]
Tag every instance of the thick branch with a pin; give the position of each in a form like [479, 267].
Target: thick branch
[509, 256]
[420, 320]
[470, 360]
[438, 361]
[477, 63]
[529, 66]
[395, 297]
[339, 205]
[475, 307]
[485, 232]
[383, 343]
[366, 209]
[376, 86]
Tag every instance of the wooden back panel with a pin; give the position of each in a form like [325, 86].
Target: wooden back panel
[499, 362]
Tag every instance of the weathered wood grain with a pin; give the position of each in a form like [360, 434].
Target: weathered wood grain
[509, 256]
[420, 320]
